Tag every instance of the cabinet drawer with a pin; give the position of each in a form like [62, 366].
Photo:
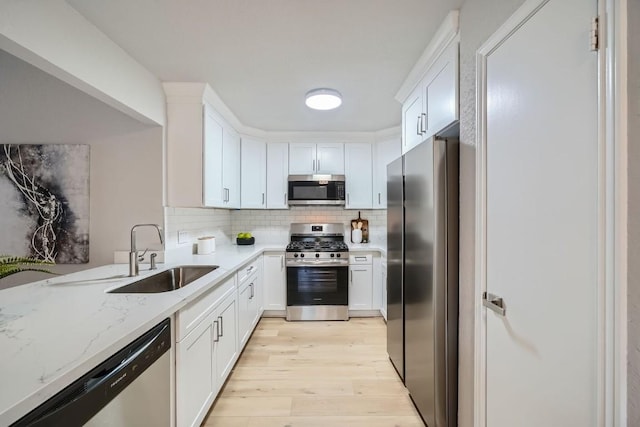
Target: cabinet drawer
[246, 271]
[191, 315]
[360, 259]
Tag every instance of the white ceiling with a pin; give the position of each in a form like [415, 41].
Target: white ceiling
[262, 56]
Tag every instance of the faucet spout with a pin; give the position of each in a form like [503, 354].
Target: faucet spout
[133, 253]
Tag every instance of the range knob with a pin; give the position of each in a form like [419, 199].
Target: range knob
[338, 255]
[317, 255]
[295, 255]
[301, 255]
[332, 255]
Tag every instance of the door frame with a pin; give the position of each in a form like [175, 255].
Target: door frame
[612, 206]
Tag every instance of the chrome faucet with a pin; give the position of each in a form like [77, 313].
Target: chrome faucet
[133, 254]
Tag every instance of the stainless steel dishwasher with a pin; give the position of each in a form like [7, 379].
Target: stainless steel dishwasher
[131, 388]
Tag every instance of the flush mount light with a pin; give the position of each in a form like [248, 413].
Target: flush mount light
[323, 99]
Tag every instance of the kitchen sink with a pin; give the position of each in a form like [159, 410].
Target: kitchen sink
[168, 280]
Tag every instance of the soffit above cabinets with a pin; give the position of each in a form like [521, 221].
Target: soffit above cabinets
[261, 57]
[36, 107]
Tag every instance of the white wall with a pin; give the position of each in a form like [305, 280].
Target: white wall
[633, 279]
[478, 20]
[54, 37]
[126, 189]
[126, 156]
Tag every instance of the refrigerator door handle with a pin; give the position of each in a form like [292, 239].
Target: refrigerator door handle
[493, 302]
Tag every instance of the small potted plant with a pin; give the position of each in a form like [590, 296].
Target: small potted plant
[11, 264]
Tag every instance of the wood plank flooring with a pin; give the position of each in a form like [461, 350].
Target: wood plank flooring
[315, 374]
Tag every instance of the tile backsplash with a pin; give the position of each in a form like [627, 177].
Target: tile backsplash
[269, 226]
[197, 222]
[273, 225]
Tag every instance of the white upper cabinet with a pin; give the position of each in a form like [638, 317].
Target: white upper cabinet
[322, 158]
[385, 152]
[412, 120]
[277, 174]
[253, 173]
[213, 133]
[358, 175]
[231, 168]
[430, 95]
[441, 92]
[203, 151]
[330, 158]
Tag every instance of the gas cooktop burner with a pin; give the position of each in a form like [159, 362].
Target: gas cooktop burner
[317, 246]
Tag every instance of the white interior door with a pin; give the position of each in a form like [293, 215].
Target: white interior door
[541, 219]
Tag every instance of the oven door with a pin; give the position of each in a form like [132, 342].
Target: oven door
[317, 285]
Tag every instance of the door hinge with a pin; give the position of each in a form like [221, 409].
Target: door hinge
[595, 34]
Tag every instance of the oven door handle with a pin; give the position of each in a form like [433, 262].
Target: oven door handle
[336, 263]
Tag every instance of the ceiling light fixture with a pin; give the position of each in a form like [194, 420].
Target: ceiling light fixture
[323, 99]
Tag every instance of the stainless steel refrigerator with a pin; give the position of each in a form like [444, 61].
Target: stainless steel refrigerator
[422, 276]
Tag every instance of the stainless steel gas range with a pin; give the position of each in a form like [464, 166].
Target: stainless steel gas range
[317, 261]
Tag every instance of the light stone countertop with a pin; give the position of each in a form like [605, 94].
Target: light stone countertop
[55, 330]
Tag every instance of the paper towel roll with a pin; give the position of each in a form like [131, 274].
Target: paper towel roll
[206, 245]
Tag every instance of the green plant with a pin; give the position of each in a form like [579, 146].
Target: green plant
[11, 264]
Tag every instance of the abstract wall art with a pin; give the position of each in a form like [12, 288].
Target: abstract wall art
[44, 201]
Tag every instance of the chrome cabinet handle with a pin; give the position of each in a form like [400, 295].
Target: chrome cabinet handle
[281, 262]
[351, 276]
[221, 331]
[423, 127]
[252, 292]
[418, 125]
[285, 198]
[379, 199]
[494, 302]
[263, 198]
[216, 334]
[313, 164]
[318, 170]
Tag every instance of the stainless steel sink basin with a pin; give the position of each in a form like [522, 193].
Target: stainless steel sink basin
[169, 280]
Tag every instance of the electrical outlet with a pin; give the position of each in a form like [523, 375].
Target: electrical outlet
[184, 237]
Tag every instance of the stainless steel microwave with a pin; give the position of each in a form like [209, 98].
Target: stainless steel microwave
[316, 190]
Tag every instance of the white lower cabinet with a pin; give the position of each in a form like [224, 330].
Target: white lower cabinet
[206, 354]
[275, 281]
[195, 377]
[226, 344]
[249, 302]
[360, 282]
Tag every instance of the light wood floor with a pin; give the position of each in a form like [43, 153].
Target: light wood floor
[315, 374]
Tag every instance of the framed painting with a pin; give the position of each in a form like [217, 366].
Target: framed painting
[44, 201]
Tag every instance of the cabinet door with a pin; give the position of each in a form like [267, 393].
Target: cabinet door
[358, 175]
[385, 152]
[360, 287]
[412, 111]
[213, 136]
[253, 174]
[330, 158]
[275, 282]
[226, 345]
[441, 91]
[195, 377]
[244, 315]
[277, 174]
[231, 168]
[302, 159]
